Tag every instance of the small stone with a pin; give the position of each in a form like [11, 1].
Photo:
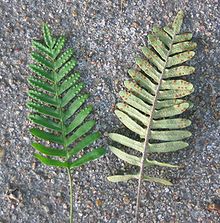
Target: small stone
[46, 208]
[33, 165]
[74, 13]
[98, 202]
[135, 25]
[89, 205]
[64, 206]
[126, 200]
[2, 153]
[218, 191]
[149, 18]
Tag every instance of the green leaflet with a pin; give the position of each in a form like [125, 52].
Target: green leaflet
[130, 123]
[48, 39]
[43, 98]
[162, 35]
[140, 92]
[133, 160]
[42, 60]
[125, 178]
[45, 122]
[71, 93]
[68, 83]
[53, 104]
[39, 46]
[41, 72]
[153, 100]
[84, 143]
[55, 101]
[41, 84]
[47, 136]
[78, 120]
[58, 46]
[126, 141]
[183, 37]
[153, 58]
[183, 46]
[168, 103]
[177, 123]
[167, 146]
[171, 111]
[51, 162]
[176, 85]
[133, 113]
[180, 58]
[134, 101]
[158, 46]
[74, 106]
[152, 148]
[158, 180]
[63, 58]
[143, 81]
[170, 135]
[178, 71]
[65, 70]
[122, 178]
[93, 155]
[48, 150]
[156, 163]
[45, 110]
[83, 129]
[148, 69]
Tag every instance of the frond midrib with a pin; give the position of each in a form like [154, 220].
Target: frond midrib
[150, 120]
[63, 127]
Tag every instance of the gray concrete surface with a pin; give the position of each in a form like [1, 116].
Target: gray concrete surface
[106, 36]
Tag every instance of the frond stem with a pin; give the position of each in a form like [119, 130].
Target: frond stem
[65, 148]
[71, 194]
[147, 135]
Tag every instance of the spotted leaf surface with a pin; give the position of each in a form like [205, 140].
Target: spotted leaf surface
[151, 102]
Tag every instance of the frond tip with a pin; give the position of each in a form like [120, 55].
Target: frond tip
[56, 101]
[152, 101]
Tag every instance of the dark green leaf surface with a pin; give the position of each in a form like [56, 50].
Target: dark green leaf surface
[54, 98]
[65, 69]
[43, 98]
[41, 84]
[84, 143]
[45, 110]
[48, 150]
[51, 162]
[45, 122]
[58, 46]
[46, 136]
[49, 40]
[41, 72]
[95, 154]
[75, 106]
[68, 83]
[80, 117]
[63, 59]
[87, 126]
[71, 93]
[43, 49]
[42, 60]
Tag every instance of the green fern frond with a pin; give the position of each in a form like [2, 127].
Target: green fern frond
[56, 101]
[153, 100]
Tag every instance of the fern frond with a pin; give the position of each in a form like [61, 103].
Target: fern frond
[56, 102]
[153, 100]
